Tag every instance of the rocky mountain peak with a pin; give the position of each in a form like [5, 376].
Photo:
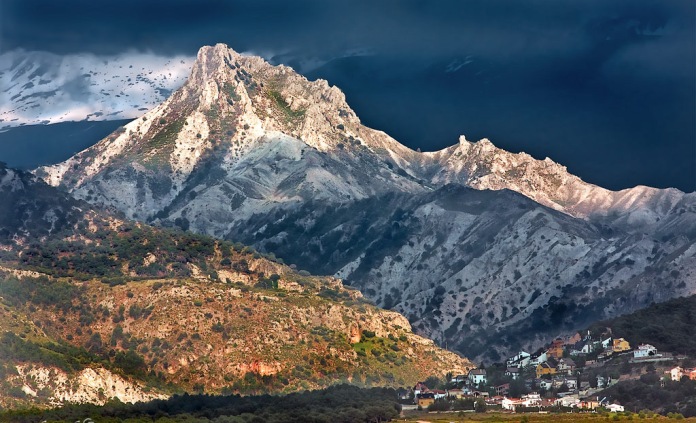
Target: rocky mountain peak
[254, 152]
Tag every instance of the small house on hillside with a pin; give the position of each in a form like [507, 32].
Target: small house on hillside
[539, 358]
[545, 369]
[520, 360]
[645, 350]
[620, 345]
[676, 374]
[566, 365]
[556, 348]
[606, 343]
[425, 399]
[477, 376]
[420, 388]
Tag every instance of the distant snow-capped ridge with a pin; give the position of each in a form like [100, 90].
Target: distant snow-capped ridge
[40, 87]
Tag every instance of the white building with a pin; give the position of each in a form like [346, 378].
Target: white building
[477, 376]
[532, 399]
[676, 374]
[520, 360]
[602, 382]
[568, 401]
[588, 348]
[545, 384]
[538, 359]
[645, 350]
[615, 408]
[511, 403]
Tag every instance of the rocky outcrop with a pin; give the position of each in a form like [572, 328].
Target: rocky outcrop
[91, 385]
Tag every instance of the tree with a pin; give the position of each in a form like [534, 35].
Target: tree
[480, 406]
[433, 382]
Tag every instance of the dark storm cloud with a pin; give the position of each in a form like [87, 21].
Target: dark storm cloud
[497, 28]
[605, 87]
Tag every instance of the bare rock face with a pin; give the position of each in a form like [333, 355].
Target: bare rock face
[95, 386]
[354, 334]
[252, 152]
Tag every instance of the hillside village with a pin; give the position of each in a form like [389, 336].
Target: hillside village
[569, 374]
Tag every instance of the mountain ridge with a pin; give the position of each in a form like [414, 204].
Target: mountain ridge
[244, 147]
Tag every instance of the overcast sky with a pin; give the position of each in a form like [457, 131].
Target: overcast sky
[604, 87]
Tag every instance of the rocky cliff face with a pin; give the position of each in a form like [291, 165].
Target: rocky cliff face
[248, 151]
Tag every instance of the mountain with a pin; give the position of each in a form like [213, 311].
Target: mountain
[257, 153]
[95, 307]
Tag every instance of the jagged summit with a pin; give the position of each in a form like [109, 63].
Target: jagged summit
[235, 110]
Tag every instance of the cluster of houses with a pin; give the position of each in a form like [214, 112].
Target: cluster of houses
[676, 374]
[551, 369]
[424, 397]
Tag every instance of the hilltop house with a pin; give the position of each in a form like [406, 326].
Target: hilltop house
[538, 358]
[520, 360]
[544, 384]
[589, 347]
[645, 350]
[477, 376]
[545, 369]
[620, 345]
[606, 343]
[556, 348]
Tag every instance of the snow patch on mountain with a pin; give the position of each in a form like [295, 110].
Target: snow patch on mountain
[40, 88]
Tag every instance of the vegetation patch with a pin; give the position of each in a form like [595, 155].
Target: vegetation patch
[289, 114]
